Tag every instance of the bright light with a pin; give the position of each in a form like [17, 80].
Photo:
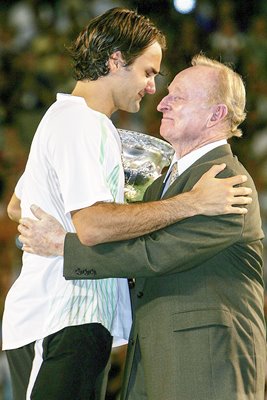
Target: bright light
[184, 6]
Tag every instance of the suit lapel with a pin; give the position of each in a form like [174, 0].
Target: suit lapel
[177, 186]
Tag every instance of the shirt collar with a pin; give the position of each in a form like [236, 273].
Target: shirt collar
[70, 97]
[185, 162]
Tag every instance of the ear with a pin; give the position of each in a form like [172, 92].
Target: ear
[115, 61]
[219, 112]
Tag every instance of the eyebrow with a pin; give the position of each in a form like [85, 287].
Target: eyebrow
[168, 86]
[155, 72]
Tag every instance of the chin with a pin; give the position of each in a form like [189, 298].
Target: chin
[134, 109]
[131, 107]
[166, 129]
[163, 132]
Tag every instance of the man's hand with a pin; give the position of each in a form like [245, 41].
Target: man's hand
[44, 236]
[216, 196]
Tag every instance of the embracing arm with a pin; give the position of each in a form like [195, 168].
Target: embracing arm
[176, 248]
[108, 222]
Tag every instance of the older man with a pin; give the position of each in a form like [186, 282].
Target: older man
[198, 330]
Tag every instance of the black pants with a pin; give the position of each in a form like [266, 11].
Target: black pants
[73, 359]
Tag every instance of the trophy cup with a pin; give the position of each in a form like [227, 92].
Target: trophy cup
[143, 158]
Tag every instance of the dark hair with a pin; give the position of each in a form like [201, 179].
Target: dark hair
[117, 29]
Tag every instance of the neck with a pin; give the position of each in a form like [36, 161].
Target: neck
[183, 149]
[96, 95]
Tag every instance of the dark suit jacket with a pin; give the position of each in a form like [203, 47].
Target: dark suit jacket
[198, 297]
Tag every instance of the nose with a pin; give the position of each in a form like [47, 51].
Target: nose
[163, 105]
[151, 86]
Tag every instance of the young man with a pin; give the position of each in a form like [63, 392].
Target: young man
[58, 334]
[198, 330]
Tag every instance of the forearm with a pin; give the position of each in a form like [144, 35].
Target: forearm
[108, 222]
[101, 223]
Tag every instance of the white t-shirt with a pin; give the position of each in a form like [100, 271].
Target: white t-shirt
[74, 161]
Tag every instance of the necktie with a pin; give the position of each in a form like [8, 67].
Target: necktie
[172, 176]
[174, 173]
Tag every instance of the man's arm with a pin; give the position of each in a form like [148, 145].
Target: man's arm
[176, 248]
[107, 222]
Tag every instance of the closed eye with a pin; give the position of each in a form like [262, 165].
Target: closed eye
[175, 98]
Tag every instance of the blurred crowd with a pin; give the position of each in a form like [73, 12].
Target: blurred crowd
[34, 66]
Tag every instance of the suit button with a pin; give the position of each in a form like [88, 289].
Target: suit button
[132, 342]
[78, 271]
[140, 294]
[131, 283]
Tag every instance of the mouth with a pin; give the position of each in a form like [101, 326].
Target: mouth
[164, 118]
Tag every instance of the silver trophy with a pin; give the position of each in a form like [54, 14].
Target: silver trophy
[143, 158]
